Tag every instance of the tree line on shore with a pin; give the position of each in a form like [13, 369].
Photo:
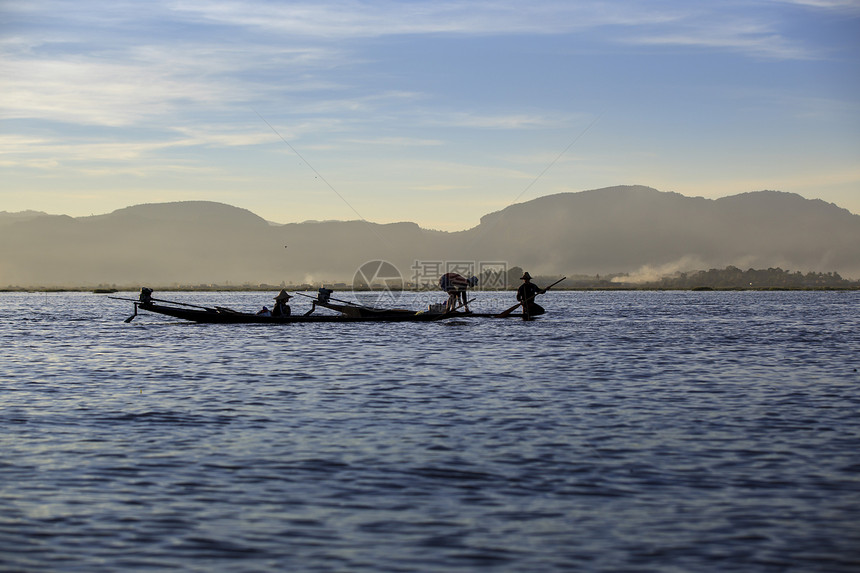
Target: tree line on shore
[729, 278]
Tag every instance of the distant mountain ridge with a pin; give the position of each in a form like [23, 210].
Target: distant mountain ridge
[620, 229]
[631, 229]
[7, 218]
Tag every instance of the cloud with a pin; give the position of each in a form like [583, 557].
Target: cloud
[397, 141]
[847, 6]
[131, 63]
[727, 27]
[85, 64]
[756, 43]
[90, 92]
[724, 26]
[112, 157]
[86, 82]
[356, 19]
[489, 121]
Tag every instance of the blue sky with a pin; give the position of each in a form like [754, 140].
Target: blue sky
[436, 112]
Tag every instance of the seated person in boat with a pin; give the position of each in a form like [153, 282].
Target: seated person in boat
[264, 312]
[526, 294]
[455, 285]
[146, 295]
[282, 309]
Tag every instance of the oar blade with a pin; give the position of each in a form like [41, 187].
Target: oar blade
[130, 318]
[508, 312]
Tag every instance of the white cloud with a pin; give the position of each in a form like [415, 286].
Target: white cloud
[357, 19]
[397, 141]
[133, 63]
[849, 6]
[18, 150]
[761, 43]
[131, 86]
[488, 121]
[725, 27]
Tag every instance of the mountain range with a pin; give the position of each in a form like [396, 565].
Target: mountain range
[624, 229]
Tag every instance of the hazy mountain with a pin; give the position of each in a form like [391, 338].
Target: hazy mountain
[618, 229]
[621, 229]
[7, 218]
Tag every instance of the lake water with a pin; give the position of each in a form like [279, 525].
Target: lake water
[622, 431]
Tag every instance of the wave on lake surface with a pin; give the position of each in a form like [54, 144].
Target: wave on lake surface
[634, 431]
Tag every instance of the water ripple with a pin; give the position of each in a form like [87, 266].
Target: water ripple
[632, 431]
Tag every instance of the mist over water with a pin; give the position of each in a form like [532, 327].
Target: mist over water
[638, 431]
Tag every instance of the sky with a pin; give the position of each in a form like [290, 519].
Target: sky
[436, 112]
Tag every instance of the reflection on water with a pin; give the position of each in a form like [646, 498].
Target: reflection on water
[634, 431]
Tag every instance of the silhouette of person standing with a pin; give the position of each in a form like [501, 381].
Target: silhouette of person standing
[526, 294]
[455, 285]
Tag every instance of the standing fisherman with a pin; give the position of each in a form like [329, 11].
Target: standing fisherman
[455, 285]
[526, 295]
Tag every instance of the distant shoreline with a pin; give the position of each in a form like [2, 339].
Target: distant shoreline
[288, 288]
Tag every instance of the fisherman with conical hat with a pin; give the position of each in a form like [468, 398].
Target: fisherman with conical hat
[281, 308]
[526, 295]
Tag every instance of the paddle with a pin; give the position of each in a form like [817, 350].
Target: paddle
[508, 312]
[134, 300]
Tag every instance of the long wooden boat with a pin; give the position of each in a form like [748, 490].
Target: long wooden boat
[222, 315]
[347, 312]
[360, 312]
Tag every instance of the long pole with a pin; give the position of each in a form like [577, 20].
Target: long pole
[456, 308]
[162, 300]
[525, 302]
[182, 303]
[355, 304]
[351, 304]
